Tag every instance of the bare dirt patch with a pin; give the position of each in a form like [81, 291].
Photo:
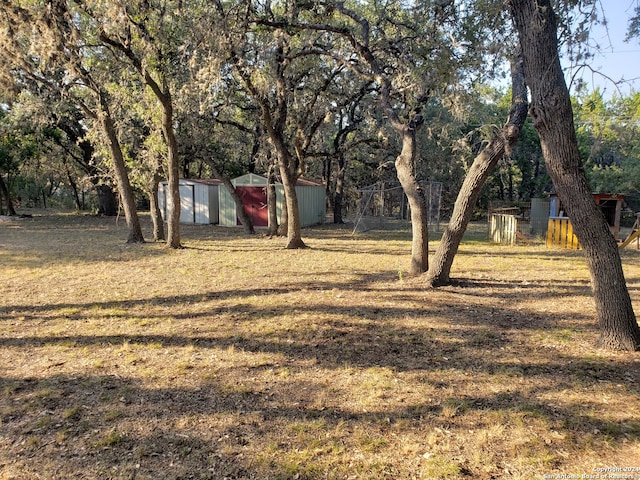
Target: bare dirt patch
[236, 358]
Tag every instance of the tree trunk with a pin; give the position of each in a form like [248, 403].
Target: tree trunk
[122, 177]
[163, 94]
[338, 195]
[483, 165]
[173, 174]
[4, 191]
[74, 188]
[284, 220]
[272, 202]
[106, 201]
[154, 207]
[326, 180]
[553, 118]
[405, 168]
[294, 229]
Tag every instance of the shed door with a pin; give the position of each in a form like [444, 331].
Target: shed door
[254, 201]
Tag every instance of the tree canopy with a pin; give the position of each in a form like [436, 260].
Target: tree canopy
[216, 66]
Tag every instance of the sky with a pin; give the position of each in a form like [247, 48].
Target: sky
[616, 59]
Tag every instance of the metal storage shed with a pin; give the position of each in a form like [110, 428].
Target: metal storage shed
[198, 200]
[252, 189]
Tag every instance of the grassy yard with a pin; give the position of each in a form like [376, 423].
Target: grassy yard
[236, 359]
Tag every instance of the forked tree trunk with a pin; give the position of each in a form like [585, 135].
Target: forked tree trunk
[553, 118]
[405, 162]
[122, 177]
[163, 94]
[483, 165]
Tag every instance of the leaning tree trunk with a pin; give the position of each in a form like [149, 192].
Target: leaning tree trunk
[245, 219]
[483, 165]
[553, 118]
[122, 177]
[405, 169]
[74, 189]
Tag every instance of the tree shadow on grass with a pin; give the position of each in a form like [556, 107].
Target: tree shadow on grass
[360, 333]
[503, 292]
[112, 426]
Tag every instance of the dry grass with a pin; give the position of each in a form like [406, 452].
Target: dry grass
[235, 358]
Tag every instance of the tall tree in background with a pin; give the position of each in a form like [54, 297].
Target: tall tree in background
[67, 49]
[349, 119]
[147, 36]
[609, 140]
[362, 40]
[280, 66]
[552, 115]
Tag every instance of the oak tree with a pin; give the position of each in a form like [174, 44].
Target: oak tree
[552, 115]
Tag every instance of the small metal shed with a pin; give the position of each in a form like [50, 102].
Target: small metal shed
[198, 200]
[252, 189]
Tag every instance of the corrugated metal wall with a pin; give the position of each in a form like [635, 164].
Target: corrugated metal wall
[188, 203]
[312, 205]
[226, 208]
[198, 202]
[311, 201]
[539, 216]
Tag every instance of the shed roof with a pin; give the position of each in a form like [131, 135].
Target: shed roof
[203, 181]
[206, 181]
[259, 180]
[305, 182]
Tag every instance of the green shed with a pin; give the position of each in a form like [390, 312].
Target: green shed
[252, 189]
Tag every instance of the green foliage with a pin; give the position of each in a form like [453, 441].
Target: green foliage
[608, 134]
[634, 25]
[442, 56]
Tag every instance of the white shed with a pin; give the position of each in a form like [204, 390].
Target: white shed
[252, 189]
[198, 200]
